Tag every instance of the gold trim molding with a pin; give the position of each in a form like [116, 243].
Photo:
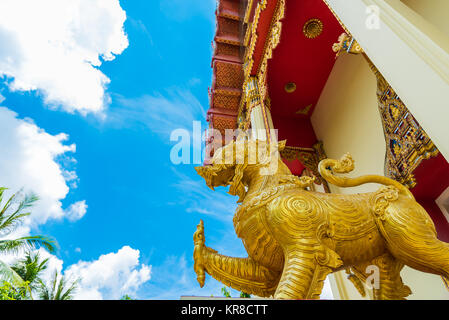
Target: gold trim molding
[271, 42]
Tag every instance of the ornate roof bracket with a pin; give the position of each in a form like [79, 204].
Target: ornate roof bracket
[271, 43]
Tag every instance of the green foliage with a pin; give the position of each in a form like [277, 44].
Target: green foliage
[9, 292]
[226, 292]
[29, 269]
[126, 297]
[19, 281]
[8, 274]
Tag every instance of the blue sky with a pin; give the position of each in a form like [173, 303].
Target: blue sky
[120, 196]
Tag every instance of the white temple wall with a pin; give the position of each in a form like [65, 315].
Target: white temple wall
[410, 52]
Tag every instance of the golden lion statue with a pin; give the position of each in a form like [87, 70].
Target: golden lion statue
[296, 237]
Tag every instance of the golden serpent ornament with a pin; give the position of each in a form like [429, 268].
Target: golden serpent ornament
[295, 237]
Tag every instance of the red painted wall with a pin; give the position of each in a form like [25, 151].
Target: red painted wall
[432, 178]
[297, 131]
[441, 224]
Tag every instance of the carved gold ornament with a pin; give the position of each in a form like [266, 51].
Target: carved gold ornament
[313, 28]
[290, 87]
[273, 39]
[295, 237]
[346, 43]
[305, 110]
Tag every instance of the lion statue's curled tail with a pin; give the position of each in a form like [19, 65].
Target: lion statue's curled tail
[428, 254]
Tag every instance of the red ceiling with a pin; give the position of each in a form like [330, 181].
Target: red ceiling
[432, 177]
[306, 62]
[297, 132]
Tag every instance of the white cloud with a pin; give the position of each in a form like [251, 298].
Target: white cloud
[31, 161]
[56, 47]
[110, 276]
[161, 113]
[197, 197]
[77, 210]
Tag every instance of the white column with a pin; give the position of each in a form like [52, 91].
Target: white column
[258, 123]
[261, 122]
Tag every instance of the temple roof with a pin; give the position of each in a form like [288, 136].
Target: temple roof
[303, 58]
[227, 81]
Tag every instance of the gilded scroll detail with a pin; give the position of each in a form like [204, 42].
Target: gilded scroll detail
[271, 43]
[406, 141]
[272, 40]
[347, 44]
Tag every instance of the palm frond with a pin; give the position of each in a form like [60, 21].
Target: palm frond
[57, 290]
[7, 205]
[36, 242]
[69, 293]
[12, 246]
[30, 268]
[29, 242]
[53, 285]
[9, 275]
[44, 293]
[29, 200]
[43, 265]
[60, 288]
[2, 190]
[11, 220]
[25, 203]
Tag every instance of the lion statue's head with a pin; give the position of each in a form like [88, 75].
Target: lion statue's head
[230, 163]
